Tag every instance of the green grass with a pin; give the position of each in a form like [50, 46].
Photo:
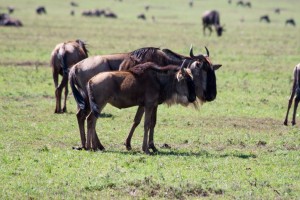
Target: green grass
[232, 148]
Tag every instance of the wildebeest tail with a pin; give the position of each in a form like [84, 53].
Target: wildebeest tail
[75, 86]
[62, 57]
[93, 105]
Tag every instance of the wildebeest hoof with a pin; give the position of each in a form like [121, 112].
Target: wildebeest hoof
[154, 149]
[128, 147]
[285, 123]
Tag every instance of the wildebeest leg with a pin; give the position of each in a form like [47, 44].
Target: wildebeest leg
[152, 126]
[296, 102]
[290, 103]
[210, 30]
[55, 80]
[136, 122]
[81, 116]
[66, 95]
[92, 139]
[148, 114]
[58, 92]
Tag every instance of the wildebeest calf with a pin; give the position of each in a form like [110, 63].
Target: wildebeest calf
[41, 10]
[295, 91]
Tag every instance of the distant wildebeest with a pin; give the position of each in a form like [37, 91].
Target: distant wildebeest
[147, 7]
[191, 3]
[141, 16]
[72, 12]
[41, 10]
[291, 22]
[229, 1]
[277, 10]
[248, 4]
[265, 18]
[83, 71]
[149, 90]
[295, 91]
[10, 9]
[212, 18]
[240, 3]
[87, 13]
[110, 14]
[6, 20]
[72, 3]
[63, 56]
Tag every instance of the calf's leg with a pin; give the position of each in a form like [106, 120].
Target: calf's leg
[289, 105]
[152, 126]
[148, 114]
[137, 119]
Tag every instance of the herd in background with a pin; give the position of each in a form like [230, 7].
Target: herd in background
[6, 20]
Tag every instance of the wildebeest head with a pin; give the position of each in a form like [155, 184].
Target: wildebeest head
[204, 77]
[219, 30]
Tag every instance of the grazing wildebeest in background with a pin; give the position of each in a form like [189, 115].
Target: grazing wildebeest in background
[6, 20]
[10, 9]
[141, 16]
[191, 3]
[110, 14]
[265, 18]
[277, 10]
[248, 4]
[212, 18]
[149, 90]
[72, 12]
[295, 91]
[291, 22]
[240, 3]
[72, 3]
[147, 7]
[63, 56]
[83, 71]
[41, 10]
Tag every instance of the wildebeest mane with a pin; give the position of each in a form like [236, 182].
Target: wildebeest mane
[172, 55]
[142, 53]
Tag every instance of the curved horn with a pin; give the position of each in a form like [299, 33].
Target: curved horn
[183, 65]
[207, 52]
[191, 52]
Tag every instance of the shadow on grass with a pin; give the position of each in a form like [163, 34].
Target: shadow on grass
[201, 153]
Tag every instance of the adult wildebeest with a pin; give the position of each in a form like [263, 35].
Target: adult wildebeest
[265, 18]
[109, 14]
[212, 18]
[291, 22]
[148, 90]
[6, 20]
[72, 3]
[83, 71]
[63, 56]
[41, 10]
[295, 91]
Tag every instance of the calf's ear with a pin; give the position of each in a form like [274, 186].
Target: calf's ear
[217, 66]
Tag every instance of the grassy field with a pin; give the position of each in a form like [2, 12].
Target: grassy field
[233, 148]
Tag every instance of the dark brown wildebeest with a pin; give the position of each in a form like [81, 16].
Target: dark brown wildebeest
[72, 3]
[265, 18]
[248, 4]
[240, 3]
[291, 22]
[141, 16]
[147, 90]
[63, 56]
[10, 9]
[41, 10]
[277, 10]
[295, 91]
[83, 71]
[109, 14]
[212, 18]
[6, 20]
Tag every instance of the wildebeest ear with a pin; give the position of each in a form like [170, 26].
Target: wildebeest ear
[217, 66]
